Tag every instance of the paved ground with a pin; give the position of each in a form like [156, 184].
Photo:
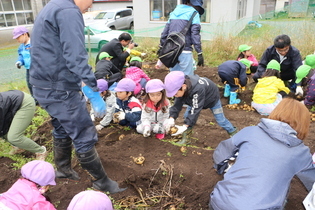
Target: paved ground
[8, 71]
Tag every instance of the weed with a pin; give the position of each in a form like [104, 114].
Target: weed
[211, 123]
[181, 176]
[127, 128]
[169, 154]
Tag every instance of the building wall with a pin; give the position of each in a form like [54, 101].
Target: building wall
[110, 5]
[222, 17]
[280, 5]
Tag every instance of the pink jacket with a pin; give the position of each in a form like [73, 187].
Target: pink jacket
[24, 195]
[136, 74]
[253, 59]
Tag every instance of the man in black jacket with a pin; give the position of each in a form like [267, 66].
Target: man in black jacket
[288, 56]
[116, 49]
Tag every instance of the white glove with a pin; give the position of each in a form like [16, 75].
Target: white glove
[92, 117]
[299, 91]
[168, 123]
[121, 116]
[146, 131]
[180, 130]
[18, 64]
[143, 54]
[158, 128]
[99, 127]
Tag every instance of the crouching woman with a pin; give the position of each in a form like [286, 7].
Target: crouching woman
[269, 156]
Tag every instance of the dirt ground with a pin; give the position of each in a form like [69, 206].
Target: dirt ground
[169, 178]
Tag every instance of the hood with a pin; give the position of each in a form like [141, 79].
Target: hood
[268, 80]
[280, 131]
[181, 9]
[132, 69]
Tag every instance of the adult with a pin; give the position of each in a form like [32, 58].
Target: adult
[17, 110]
[269, 156]
[119, 49]
[287, 55]
[59, 65]
[177, 21]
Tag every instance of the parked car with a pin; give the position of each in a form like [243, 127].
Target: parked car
[98, 35]
[115, 19]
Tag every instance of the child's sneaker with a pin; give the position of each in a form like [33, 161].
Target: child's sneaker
[16, 150]
[42, 156]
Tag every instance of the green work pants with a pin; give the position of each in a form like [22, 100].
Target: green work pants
[20, 122]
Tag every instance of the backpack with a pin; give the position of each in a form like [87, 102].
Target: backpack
[174, 45]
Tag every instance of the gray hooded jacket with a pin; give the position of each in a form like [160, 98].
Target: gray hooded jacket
[269, 156]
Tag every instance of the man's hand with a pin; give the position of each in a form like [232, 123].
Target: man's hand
[299, 91]
[18, 64]
[200, 60]
[98, 104]
[180, 130]
[168, 123]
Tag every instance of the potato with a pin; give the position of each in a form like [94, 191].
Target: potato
[173, 130]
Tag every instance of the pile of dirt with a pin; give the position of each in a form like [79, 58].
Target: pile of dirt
[170, 177]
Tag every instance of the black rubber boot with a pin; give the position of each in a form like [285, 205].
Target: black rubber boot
[91, 162]
[62, 158]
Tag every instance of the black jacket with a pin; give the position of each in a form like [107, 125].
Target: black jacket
[10, 103]
[202, 94]
[115, 49]
[289, 65]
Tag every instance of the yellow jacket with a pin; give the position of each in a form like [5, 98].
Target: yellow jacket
[267, 88]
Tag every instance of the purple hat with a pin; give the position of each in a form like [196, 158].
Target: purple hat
[173, 82]
[18, 31]
[90, 200]
[102, 85]
[125, 84]
[40, 172]
[154, 85]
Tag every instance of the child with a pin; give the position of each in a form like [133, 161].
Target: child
[103, 69]
[310, 91]
[269, 90]
[17, 110]
[155, 110]
[269, 156]
[246, 53]
[304, 74]
[133, 52]
[110, 100]
[21, 34]
[233, 75]
[199, 93]
[135, 73]
[27, 192]
[128, 108]
[90, 199]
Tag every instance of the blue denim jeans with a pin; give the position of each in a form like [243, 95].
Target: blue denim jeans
[220, 118]
[185, 63]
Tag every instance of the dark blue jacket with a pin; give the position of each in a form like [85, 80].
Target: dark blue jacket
[202, 94]
[233, 69]
[178, 20]
[131, 107]
[288, 66]
[59, 57]
[10, 103]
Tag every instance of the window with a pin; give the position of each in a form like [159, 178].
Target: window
[13, 13]
[161, 9]
[241, 9]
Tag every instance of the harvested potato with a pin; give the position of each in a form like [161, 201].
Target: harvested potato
[121, 137]
[183, 149]
[173, 130]
[139, 160]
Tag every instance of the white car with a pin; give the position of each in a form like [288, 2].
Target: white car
[116, 19]
[97, 35]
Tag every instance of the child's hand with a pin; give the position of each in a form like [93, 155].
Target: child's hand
[43, 189]
[115, 117]
[168, 123]
[180, 130]
[99, 127]
[121, 116]
[146, 131]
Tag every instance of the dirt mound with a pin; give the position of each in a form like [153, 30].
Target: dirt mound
[170, 177]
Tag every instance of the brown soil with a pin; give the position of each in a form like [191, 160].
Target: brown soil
[168, 178]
